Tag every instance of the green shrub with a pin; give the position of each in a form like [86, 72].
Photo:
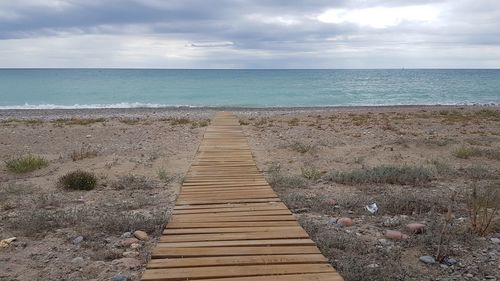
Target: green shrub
[78, 180]
[384, 174]
[180, 121]
[465, 152]
[488, 113]
[78, 121]
[27, 163]
[135, 182]
[311, 173]
[163, 175]
[484, 206]
[301, 147]
[286, 181]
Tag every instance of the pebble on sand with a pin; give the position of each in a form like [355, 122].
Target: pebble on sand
[129, 241]
[141, 235]
[415, 227]
[395, 235]
[345, 222]
[130, 263]
[427, 259]
[119, 277]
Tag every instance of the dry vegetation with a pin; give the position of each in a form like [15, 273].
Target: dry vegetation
[438, 167]
[72, 190]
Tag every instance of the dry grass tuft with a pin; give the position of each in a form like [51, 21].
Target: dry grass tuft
[404, 175]
[27, 163]
[78, 180]
[83, 153]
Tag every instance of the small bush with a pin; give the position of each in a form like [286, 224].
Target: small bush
[164, 176]
[311, 173]
[384, 174]
[293, 122]
[130, 121]
[78, 121]
[465, 152]
[134, 182]
[36, 222]
[488, 113]
[84, 152]
[478, 172]
[78, 180]
[203, 123]
[484, 206]
[261, 122]
[277, 179]
[285, 181]
[243, 122]
[301, 147]
[180, 121]
[409, 203]
[442, 168]
[27, 163]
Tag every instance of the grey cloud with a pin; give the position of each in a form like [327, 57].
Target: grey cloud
[262, 33]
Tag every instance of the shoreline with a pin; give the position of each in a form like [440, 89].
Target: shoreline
[206, 112]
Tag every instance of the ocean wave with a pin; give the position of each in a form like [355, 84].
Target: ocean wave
[124, 105]
[90, 106]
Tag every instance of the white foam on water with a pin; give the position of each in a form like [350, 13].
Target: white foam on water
[90, 106]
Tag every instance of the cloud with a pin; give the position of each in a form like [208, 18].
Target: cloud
[246, 33]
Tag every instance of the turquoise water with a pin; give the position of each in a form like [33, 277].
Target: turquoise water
[102, 88]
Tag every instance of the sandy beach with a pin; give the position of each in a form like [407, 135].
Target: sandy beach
[416, 163]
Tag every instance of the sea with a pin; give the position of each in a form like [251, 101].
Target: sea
[128, 88]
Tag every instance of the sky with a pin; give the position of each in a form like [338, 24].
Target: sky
[250, 34]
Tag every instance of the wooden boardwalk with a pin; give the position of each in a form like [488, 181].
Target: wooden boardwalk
[228, 224]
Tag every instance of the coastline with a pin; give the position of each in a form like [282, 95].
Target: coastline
[207, 112]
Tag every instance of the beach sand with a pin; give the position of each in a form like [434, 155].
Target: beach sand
[141, 155]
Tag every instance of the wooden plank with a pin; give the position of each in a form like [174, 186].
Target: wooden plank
[266, 242]
[233, 271]
[230, 209]
[228, 205]
[159, 252]
[245, 260]
[175, 224]
[297, 233]
[233, 219]
[330, 276]
[230, 229]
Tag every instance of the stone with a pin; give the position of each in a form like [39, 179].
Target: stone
[130, 254]
[78, 262]
[141, 235]
[345, 222]
[427, 259]
[88, 136]
[385, 242]
[450, 261]
[128, 241]
[415, 228]
[78, 240]
[391, 222]
[135, 246]
[495, 240]
[395, 235]
[129, 263]
[119, 277]
[126, 235]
